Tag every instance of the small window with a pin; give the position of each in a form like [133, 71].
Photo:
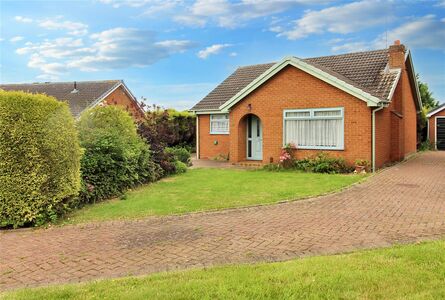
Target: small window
[315, 128]
[219, 124]
[298, 114]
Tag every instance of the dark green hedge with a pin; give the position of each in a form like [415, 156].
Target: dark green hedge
[116, 158]
[39, 158]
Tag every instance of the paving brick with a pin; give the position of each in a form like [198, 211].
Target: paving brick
[401, 204]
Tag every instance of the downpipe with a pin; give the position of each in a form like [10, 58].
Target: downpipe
[381, 106]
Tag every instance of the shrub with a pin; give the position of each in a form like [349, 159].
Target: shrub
[180, 153]
[426, 146]
[287, 159]
[39, 159]
[167, 128]
[322, 163]
[180, 167]
[116, 158]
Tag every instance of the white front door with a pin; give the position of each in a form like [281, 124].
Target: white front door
[254, 138]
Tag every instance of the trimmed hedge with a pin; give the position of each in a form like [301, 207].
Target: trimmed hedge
[39, 158]
[116, 157]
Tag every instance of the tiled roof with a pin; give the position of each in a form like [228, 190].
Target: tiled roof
[87, 91]
[231, 86]
[364, 70]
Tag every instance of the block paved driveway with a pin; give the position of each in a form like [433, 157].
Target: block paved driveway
[404, 203]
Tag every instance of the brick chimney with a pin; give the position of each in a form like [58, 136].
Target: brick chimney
[397, 55]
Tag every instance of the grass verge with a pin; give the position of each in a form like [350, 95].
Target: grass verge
[400, 272]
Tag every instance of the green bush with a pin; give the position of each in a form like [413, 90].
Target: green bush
[180, 153]
[116, 158]
[180, 167]
[323, 163]
[426, 146]
[39, 159]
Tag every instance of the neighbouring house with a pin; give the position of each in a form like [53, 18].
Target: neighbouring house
[436, 127]
[360, 105]
[81, 95]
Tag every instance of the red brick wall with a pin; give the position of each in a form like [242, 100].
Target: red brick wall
[409, 116]
[432, 125]
[207, 147]
[294, 89]
[396, 132]
[120, 98]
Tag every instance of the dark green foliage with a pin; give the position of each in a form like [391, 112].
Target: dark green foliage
[180, 153]
[426, 146]
[180, 167]
[116, 158]
[39, 159]
[323, 163]
[426, 96]
[428, 103]
[168, 128]
[319, 163]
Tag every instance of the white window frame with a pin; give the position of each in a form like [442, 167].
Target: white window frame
[219, 120]
[313, 117]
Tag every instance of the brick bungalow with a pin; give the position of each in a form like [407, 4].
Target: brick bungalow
[360, 105]
[82, 95]
[436, 127]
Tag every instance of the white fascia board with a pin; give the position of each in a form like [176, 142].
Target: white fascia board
[104, 95]
[416, 86]
[334, 81]
[394, 85]
[115, 87]
[435, 111]
[209, 112]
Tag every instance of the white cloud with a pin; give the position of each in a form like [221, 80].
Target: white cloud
[131, 3]
[441, 3]
[16, 39]
[73, 28]
[22, 19]
[188, 20]
[342, 19]
[110, 49]
[150, 7]
[352, 47]
[230, 14]
[233, 54]
[212, 50]
[426, 32]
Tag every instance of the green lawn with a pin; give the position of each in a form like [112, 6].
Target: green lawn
[208, 189]
[402, 272]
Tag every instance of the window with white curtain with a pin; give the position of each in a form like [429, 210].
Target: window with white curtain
[321, 128]
[219, 124]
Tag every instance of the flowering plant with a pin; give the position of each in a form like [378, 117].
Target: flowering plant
[286, 156]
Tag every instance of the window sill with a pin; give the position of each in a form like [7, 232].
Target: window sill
[219, 133]
[320, 148]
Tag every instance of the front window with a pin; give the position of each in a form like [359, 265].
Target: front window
[219, 124]
[321, 128]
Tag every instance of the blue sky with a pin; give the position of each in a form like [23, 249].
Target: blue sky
[174, 52]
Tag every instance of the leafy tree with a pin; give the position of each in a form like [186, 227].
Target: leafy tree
[426, 95]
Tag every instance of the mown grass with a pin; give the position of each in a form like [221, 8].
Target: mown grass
[401, 272]
[210, 189]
